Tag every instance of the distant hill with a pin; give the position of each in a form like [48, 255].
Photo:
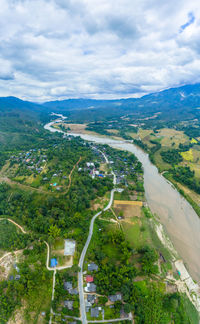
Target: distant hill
[181, 100]
[13, 103]
[20, 122]
[176, 103]
[189, 94]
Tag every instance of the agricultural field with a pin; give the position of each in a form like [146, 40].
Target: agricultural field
[171, 137]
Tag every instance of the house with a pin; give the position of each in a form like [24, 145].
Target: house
[114, 298]
[69, 304]
[91, 287]
[73, 291]
[92, 267]
[89, 279]
[67, 285]
[95, 312]
[88, 304]
[91, 298]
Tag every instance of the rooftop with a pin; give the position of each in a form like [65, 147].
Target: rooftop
[70, 246]
[89, 279]
[92, 267]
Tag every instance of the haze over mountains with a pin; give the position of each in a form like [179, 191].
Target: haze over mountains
[184, 98]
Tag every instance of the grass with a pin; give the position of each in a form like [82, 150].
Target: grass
[109, 313]
[162, 166]
[193, 141]
[172, 137]
[58, 244]
[188, 155]
[138, 234]
[121, 196]
[111, 252]
[190, 310]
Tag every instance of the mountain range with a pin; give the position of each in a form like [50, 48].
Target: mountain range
[182, 98]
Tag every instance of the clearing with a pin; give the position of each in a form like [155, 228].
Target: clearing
[58, 250]
[169, 136]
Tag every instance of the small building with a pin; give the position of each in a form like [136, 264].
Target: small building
[69, 304]
[73, 291]
[90, 164]
[54, 263]
[67, 285]
[89, 279]
[91, 287]
[114, 298]
[95, 312]
[91, 298]
[92, 267]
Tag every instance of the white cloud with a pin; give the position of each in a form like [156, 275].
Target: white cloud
[53, 49]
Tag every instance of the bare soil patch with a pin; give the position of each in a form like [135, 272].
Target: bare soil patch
[128, 210]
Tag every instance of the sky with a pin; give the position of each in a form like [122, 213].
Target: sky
[103, 49]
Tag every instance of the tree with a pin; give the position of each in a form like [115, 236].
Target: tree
[54, 231]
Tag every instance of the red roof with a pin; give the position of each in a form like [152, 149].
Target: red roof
[89, 279]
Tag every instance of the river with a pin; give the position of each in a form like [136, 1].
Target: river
[176, 215]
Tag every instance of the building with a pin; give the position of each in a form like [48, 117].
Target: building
[114, 298]
[54, 263]
[67, 285]
[73, 291]
[92, 267]
[91, 287]
[91, 298]
[69, 304]
[89, 279]
[95, 312]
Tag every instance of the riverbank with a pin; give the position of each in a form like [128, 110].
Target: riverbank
[178, 218]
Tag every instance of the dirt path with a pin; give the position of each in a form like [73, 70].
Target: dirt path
[20, 227]
[22, 186]
[70, 175]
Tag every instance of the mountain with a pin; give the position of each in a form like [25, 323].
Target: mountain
[20, 122]
[181, 101]
[12, 103]
[188, 95]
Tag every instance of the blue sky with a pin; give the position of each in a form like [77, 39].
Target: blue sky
[191, 20]
[56, 49]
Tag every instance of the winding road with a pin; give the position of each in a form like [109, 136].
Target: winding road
[83, 254]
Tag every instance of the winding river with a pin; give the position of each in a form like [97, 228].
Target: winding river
[177, 216]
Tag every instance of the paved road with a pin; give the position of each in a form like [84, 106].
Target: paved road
[113, 320]
[81, 261]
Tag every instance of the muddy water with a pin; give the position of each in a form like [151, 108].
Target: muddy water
[178, 217]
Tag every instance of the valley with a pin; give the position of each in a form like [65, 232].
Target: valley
[94, 209]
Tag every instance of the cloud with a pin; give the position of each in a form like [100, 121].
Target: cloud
[98, 49]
